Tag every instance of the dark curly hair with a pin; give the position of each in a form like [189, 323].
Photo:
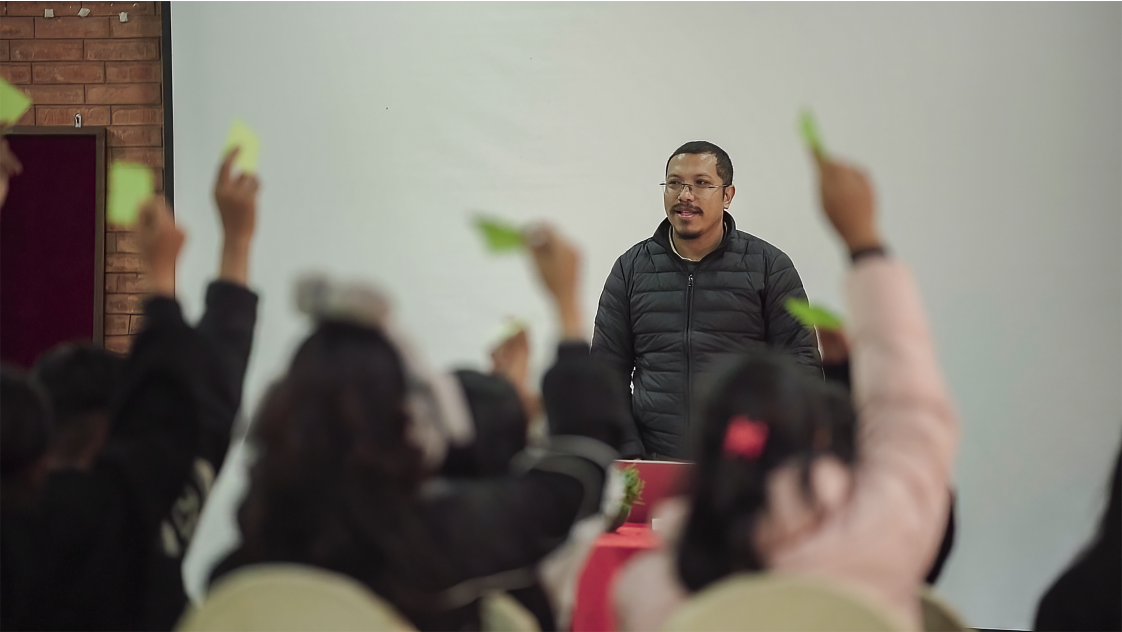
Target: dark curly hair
[806, 417]
[335, 479]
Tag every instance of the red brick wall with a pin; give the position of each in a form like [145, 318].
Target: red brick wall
[111, 73]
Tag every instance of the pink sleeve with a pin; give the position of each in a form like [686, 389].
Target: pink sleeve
[886, 536]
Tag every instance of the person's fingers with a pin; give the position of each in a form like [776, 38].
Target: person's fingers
[227, 165]
[538, 236]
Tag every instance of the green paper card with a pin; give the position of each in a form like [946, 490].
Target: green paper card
[243, 137]
[809, 128]
[130, 185]
[499, 236]
[812, 315]
[13, 103]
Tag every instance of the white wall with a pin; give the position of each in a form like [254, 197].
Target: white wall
[992, 131]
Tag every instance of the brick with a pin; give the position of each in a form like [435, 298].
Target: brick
[136, 323]
[150, 156]
[28, 117]
[122, 263]
[158, 180]
[45, 50]
[136, 136]
[137, 115]
[69, 73]
[132, 284]
[64, 115]
[133, 71]
[4, 50]
[71, 27]
[128, 242]
[117, 324]
[122, 50]
[17, 28]
[137, 26]
[47, 95]
[16, 73]
[124, 303]
[35, 9]
[114, 93]
[110, 248]
[115, 8]
[118, 344]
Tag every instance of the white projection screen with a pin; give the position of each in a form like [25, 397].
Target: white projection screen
[992, 132]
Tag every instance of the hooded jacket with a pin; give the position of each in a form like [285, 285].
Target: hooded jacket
[664, 324]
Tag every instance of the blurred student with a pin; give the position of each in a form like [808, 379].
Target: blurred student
[790, 480]
[80, 380]
[112, 534]
[342, 442]
[1088, 595]
[25, 429]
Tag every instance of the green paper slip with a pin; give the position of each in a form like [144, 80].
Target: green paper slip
[130, 185]
[809, 128]
[13, 103]
[243, 137]
[812, 315]
[499, 236]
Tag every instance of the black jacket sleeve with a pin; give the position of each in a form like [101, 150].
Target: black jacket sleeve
[155, 434]
[226, 331]
[614, 346]
[783, 331]
[487, 527]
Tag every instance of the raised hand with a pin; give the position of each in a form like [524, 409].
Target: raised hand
[160, 242]
[849, 203]
[236, 198]
[558, 265]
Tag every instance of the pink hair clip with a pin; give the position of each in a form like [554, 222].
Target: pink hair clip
[745, 437]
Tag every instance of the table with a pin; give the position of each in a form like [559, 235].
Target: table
[593, 611]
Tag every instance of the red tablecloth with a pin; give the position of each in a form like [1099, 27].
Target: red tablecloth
[593, 609]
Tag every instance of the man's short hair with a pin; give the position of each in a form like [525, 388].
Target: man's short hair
[724, 163]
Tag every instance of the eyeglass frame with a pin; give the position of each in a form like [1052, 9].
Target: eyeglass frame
[695, 189]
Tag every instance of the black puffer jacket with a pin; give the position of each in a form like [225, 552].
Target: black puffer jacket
[671, 321]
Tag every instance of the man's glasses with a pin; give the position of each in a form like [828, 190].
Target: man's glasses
[675, 187]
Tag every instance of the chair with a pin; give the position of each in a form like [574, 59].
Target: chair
[758, 603]
[502, 613]
[938, 616]
[284, 597]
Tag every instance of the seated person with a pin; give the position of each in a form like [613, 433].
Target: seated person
[785, 482]
[25, 429]
[344, 443]
[112, 533]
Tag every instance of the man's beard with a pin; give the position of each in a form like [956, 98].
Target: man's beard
[695, 233]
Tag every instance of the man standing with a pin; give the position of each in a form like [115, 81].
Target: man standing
[695, 291]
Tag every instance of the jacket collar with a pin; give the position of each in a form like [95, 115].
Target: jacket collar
[662, 235]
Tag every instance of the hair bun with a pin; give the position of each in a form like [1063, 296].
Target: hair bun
[326, 299]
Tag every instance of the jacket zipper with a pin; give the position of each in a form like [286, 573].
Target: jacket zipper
[689, 358]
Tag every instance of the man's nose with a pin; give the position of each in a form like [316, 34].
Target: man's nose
[686, 193]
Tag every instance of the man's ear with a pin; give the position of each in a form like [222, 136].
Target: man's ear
[730, 191]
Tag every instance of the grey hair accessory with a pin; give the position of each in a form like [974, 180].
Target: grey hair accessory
[438, 411]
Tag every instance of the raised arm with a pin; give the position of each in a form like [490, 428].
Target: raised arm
[908, 430]
[228, 323]
[612, 344]
[155, 426]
